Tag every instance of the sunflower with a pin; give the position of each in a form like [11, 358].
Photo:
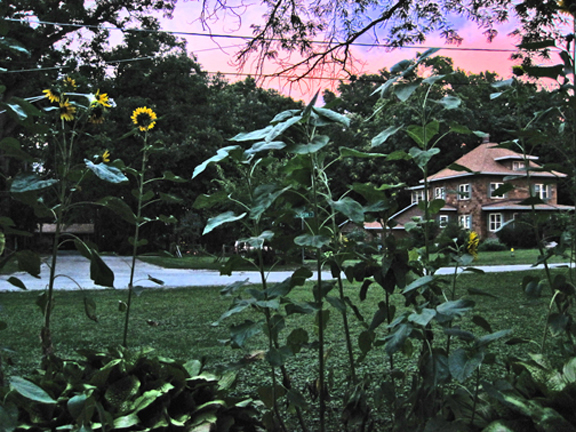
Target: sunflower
[101, 99]
[69, 83]
[144, 118]
[472, 246]
[96, 114]
[53, 95]
[106, 156]
[67, 110]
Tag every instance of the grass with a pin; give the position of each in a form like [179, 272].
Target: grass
[520, 256]
[178, 323]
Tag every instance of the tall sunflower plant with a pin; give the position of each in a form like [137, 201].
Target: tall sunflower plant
[144, 120]
[52, 185]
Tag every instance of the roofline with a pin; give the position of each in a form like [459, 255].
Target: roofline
[517, 157]
[528, 207]
[544, 174]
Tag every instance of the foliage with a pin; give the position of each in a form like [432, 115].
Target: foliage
[128, 390]
[492, 245]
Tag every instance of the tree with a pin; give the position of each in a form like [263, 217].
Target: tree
[290, 27]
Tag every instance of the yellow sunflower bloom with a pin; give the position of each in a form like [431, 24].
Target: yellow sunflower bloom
[67, 110]
[106, 156]
[53, 96]
[69, 83]
[144, 118]
[102, 99]
[472, 246]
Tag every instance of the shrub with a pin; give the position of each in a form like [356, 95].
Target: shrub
[127, 390]
[492, 245]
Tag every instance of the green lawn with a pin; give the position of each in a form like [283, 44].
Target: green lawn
[520, 256]
[178, 323]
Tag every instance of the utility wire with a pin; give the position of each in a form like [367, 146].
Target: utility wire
[229, 36]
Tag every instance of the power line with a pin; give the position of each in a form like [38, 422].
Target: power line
[229, 36]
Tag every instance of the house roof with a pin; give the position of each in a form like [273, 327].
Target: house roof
[485, 159]
[515, 206]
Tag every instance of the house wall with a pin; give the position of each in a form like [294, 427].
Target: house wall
[480, 196]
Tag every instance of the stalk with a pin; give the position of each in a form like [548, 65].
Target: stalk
[140, 179]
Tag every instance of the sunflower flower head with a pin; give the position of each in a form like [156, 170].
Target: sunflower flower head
[101, 99]
[69, 83]
[96, 114]
[53, 96]
[144, 118]
[472, 246]
[67, 110]
[106, 156]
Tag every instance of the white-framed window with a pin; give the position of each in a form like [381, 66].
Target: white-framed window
[440, 193]
[518, 165]
[465, 221]
[493, 188]
[542, 191]
[443, 221]
[494, 221]
[417, 196]
[464, 192]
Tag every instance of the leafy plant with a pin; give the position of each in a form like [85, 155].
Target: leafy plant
[125, 390]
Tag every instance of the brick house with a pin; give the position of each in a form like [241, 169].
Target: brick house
[470, 195]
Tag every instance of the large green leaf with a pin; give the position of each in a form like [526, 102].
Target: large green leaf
[422, 157]
[404, 91]
[221, 219]
[220, 155]
[395, 341]
[422, 317]
[119, 207]
[264, 197]
[106, 172]
[423, 135]
[30, 390]
[462, 365]
[253, 135]
[8, 417]
[450, 102]
[266, 146]
[16, 282]
[13, 45]
[29, 262]
[30, 182]
[449, 310]
[333, 116]
[240, 333]
[349, 152]
[384, 135]
[100, 273]
[208, 201]
[418, 283]
[317, 144]
[350, 208]
[12, 148]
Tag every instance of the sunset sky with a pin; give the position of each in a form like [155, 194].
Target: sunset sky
[216, 54]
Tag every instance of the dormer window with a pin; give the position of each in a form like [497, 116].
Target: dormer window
[519, 165]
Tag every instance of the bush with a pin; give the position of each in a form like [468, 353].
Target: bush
[492, 245]
[126, 390]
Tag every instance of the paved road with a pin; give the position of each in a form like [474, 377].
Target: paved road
[74, 272]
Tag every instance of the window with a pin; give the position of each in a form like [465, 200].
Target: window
[493, 188]
[465, 221]
[542, 191]
[494, 222]
[464, 191]
[440, 193]
[417, 196]
[443, 221]
[518, 165]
